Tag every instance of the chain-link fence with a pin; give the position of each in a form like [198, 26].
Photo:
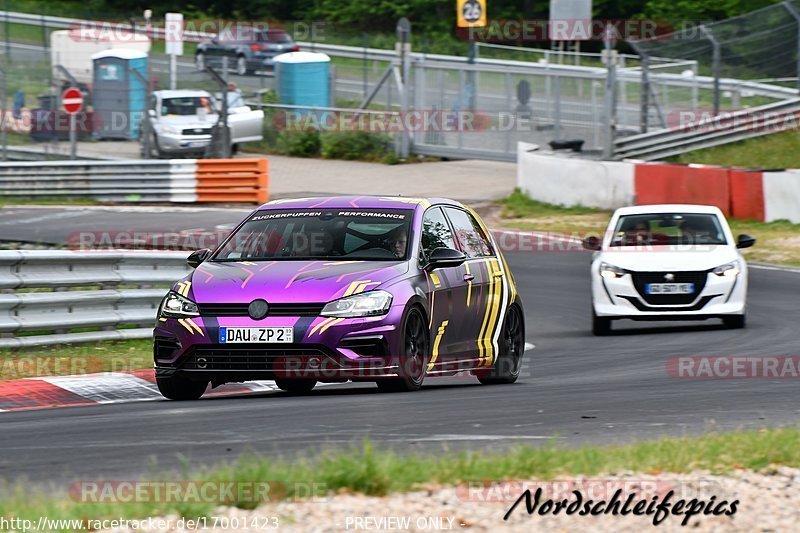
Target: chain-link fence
[761, 45]
[478, 106]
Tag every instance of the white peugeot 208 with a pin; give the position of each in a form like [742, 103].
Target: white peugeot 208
[668, 262]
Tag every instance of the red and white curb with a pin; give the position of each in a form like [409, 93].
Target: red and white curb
[102, 388]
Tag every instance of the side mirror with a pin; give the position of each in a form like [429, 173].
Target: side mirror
[591, 243]
[198, 256]
[444, 258]
[151, 113]
[745, 241]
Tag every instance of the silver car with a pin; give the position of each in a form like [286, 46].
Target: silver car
[181, 123]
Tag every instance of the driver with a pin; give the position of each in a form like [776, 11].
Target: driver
[398, 241]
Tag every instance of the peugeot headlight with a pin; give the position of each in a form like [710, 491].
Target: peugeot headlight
[176, 306]
[728, 270]
[370, 303]
[611, 271]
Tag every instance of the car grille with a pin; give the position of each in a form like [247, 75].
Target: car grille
[197, 131]
[244, 356]
[237, 309]
[641, 279]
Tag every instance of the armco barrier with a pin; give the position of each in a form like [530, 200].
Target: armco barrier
[174, 180]
[48, 293]
[740, 193]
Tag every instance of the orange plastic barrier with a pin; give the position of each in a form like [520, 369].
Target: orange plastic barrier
[747, 194]
[233, 180]
[681, 184]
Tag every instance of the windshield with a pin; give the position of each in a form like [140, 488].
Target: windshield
[375, 234]
[668, 229]
[185, 105]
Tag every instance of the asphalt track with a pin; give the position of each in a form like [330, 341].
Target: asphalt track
[575, 388]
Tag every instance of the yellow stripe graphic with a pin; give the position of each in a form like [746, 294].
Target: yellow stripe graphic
[195, 326]
[469, 285]
[315, 328]
[359, 286]
[482, 334]
[436, 342]
[187, 326]
[493, 317]
[329, 324]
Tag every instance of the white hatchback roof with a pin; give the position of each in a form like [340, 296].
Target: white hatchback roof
[668, 208]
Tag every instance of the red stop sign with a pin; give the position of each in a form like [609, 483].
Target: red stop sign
[72, 100]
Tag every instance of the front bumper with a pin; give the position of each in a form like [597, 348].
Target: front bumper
[620, 298]
[169, 142]
[325, 349]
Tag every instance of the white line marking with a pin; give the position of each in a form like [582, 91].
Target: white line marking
[478, 437]
[529, 346]
[760, 266]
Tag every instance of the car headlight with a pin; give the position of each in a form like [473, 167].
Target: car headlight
[175, 305]
[728, 270]
[611, 271]
[371, 303]
[165, 128]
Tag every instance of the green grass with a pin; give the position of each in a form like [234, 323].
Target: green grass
[370, 471]
[778, 150]
[776, 242]
[47, 200]
[75, 359]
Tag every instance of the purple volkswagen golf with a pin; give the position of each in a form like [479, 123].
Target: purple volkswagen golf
[382, 289]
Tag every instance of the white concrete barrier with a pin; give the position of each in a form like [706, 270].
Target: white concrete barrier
[556, 179]
[782, 196]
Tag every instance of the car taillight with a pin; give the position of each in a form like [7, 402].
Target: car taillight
[257, 47]
[295, 48]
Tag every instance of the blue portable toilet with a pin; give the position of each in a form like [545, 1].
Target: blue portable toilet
[118, 94]
[303, 79]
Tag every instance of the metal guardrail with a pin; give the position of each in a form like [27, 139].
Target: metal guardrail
[174, 180]
[708, 132]
[46, 295]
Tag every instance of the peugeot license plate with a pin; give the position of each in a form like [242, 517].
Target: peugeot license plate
[265, 335]
[670, 288]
